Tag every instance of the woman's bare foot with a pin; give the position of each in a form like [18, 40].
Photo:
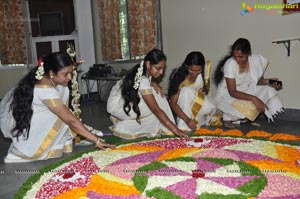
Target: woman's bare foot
[228, 124]
[257, 124]
[243, 121]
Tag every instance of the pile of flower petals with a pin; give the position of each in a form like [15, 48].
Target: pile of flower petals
[171, 168]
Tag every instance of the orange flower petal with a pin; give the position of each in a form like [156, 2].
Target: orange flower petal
[256, 133]
[141, 148]
[287, 154]
[203, 131]
[234, 132]
[275, 167]
[282, 136]
[101, 186]
[175, 153]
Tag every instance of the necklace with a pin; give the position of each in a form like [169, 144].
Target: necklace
[52, 83]
[244, 68]
[191, 79]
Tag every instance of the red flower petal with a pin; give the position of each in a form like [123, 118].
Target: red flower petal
[40, 61]
[68, 175]
[198, 174]
[198, 140]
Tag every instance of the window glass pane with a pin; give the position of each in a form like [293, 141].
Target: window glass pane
[43, 48]
[124, 30]
[129, 29]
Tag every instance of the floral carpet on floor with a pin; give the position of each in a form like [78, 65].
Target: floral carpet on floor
[213, 164]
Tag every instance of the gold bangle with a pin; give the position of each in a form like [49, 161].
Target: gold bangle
[168, 122]
[98, 141]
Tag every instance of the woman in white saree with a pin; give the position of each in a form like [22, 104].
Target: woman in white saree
[243, 92]
[136, 109]
[35, 114]
[188, 94]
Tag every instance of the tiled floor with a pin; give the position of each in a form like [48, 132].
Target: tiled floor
[94, 114]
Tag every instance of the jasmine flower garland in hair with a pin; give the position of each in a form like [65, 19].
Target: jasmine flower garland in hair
[39, 73]
[71, 51]
[138, 76]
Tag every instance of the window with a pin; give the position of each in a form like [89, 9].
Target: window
[12, 33]
[51, 23]
[129, 29]
[124, 30]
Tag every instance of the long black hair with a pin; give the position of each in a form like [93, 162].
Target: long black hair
[179, 75]
[21, 105]
[129, 94]
[241, 44]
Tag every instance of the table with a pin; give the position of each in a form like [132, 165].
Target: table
[99, 80]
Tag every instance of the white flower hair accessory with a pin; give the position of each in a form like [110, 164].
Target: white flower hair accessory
[39, 73]
[71, 51]
[138, 76]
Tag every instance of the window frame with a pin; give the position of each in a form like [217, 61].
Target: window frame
[158, 35]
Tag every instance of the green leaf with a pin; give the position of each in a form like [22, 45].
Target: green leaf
[249, 170]
[223, 161]
[140, 179]
[140, 182]
[183, 159]
[160, 193]
[220, 196]
[152, 166]
[254, 187]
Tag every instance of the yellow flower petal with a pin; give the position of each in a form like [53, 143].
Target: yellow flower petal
[111, 177]
[274, 167]
[101, 186]
[175, 153]
[141, 148]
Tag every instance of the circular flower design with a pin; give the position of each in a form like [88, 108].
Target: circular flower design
[222, 167]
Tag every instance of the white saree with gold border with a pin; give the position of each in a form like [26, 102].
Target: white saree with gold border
[195, 104]
[234, 109]
[126, 126]
[49, 136]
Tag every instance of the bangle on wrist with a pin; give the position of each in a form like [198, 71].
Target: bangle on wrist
[98, 141]
[168, 122]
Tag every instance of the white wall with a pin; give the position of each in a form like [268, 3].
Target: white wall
[84, 26]
[9, 78]
[211, 26]
[96, 29]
